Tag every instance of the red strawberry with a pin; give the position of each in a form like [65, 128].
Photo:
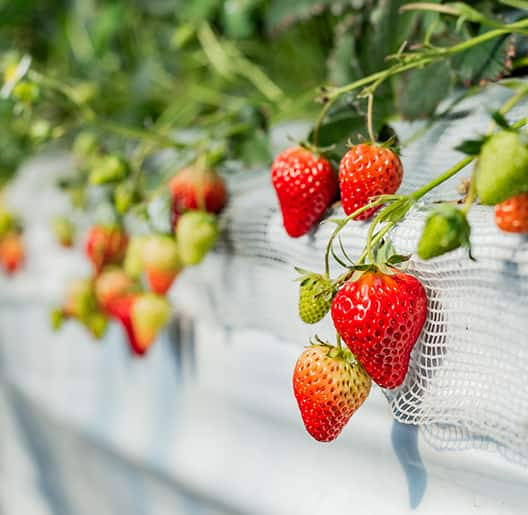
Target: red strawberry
[162, 262]
[197, 188]
[142, 317]
[305, 185]
[512, 214]
[111, 285]
[380, 316]
[366, 171]
[106, 245]
[329, 385]
[12, 253]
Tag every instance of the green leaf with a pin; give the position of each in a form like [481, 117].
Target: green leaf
[500, 120]
[422, 90]
[471, 147]
[485, 62]
[519, 4]
[282, 13]
[340, 128]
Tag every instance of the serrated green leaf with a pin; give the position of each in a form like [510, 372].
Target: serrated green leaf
[485, 62]
[422, 90]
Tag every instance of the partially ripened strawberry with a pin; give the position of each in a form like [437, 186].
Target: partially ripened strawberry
[305, 185]
[142, 316]
[150, 314]
[315, 296]
[329, 385]
[196, 235]
[80, 299]
[106, 245]
[502, 170]
[112, 284]
[12, 253]
[512, 214]
[161, 259]
[380, 316]
[197, 187]
[367, 171]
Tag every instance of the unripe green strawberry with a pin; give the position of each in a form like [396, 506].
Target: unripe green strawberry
[7, 222]
[64, 231]
[196, 235]
[446, 229]
[96, 323]
[502, 170]
[109, 169]
[124, 197]
[80, 299]
[133, 264]
[85, 145]
[315, 297]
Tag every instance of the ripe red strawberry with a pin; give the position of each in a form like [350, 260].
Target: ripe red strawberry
[142, 317]
[111, 285]
[305, 185]
[105, 245]
[12, 253]
[366, 171]
[162, 262]
[197, 188]
[380, 316]
[512, 214]
[329, 385]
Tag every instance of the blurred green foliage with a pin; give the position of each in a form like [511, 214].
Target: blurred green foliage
[228, 67]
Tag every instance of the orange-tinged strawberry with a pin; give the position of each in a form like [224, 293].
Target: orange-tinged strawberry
[512, 214]
[366, 171]
[105, 245]
[162, 262]
[329, 385]
[112, 284]
[197, 187]
[12, 252]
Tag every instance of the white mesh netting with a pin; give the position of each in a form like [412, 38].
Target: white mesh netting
[467, 380]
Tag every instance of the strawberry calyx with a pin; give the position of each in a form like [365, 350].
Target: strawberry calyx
[338, 352]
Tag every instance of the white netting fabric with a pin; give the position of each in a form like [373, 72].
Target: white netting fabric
[467, 383]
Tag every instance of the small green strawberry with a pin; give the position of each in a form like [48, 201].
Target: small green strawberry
[109, 169]
[7, 222]
[64, 231]
[196, 235]
[446, 229]
[502, 170]
[124, 197]
[315, 296]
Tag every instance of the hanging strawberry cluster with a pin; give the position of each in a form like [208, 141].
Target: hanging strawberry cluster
[377, 309]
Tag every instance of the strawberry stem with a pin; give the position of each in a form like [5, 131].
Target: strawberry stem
[370, 110]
